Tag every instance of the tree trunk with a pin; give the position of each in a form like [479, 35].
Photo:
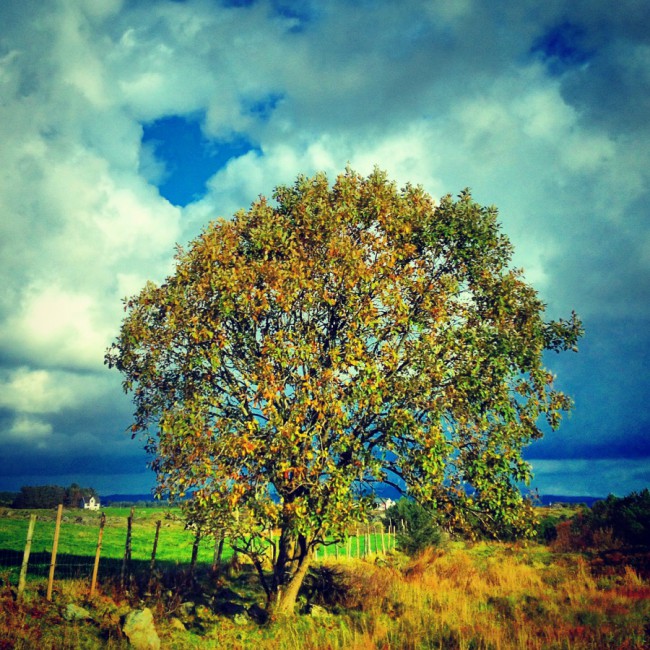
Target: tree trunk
[287, 600]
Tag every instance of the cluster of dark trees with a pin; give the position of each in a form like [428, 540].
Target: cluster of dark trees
[611, 522]
[50, 496]
[628, 517]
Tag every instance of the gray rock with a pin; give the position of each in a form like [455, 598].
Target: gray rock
[177, 624]
[140, 630]
[76, 613]
[187, 608]
[317, 611]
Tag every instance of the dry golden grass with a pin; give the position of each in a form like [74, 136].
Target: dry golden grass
[499, 597]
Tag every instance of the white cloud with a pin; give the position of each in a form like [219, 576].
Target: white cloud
[36, 391]
[58, 327]
[29, 429]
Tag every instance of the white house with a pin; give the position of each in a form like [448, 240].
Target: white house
[89, 504]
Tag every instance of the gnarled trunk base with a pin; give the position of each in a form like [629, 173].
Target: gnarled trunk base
[286, 601]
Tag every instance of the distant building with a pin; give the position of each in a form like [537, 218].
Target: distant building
[89, 503]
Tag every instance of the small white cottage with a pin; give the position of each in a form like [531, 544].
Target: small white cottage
[89, 503]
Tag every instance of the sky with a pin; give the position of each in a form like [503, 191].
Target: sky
[125, 126]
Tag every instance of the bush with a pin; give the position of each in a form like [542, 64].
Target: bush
[417, 527]
[326, 585]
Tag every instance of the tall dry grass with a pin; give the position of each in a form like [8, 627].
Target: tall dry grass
[494, 596]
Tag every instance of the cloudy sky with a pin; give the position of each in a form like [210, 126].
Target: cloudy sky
[126, 125]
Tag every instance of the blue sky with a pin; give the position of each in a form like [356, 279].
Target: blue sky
[127, 126]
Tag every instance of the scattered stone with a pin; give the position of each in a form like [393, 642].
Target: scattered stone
[317, 611]
[76, 613]
[224, 593]
[177, 624]
[187, 609]
[140, 630]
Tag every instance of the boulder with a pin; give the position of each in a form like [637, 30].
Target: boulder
[76, 613]
[177, 624]
[316, 611]
[187, 608]
[140, 630]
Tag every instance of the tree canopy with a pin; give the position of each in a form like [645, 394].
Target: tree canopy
[338, 338]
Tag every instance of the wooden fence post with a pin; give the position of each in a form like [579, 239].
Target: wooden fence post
[152, 564]
[127, 548]
[55, 546]
[195, 551]
[93, 582]
[28, 546]
[155, 545]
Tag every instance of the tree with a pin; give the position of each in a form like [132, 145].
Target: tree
[306, 351]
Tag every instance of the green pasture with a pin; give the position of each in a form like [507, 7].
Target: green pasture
[79, 534]
[80, 530]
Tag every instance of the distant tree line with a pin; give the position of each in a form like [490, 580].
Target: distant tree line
[7, 498]
[50, 496]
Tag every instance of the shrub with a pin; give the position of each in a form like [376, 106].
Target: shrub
[326, 585]
[547, 528]
[417, 527]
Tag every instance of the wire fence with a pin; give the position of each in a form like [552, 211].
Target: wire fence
[74, 547]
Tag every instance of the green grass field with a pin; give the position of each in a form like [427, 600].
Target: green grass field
[79, 534]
